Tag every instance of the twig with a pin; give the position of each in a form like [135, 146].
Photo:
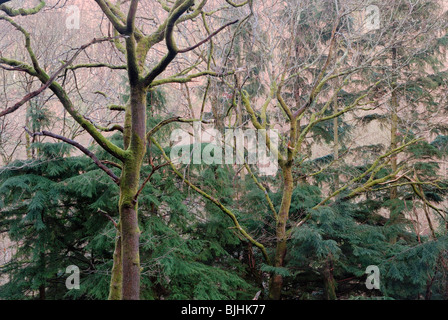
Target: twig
[104, 213]
[208, 38]
[154, 170]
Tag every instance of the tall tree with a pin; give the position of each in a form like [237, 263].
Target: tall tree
[135, 45]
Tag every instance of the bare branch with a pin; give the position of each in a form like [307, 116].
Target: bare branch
[208, 38]
[20, 12]
[84, 150]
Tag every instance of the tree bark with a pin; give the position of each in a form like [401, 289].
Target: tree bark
[336, 144]
[117, 270]
[394, 120]
[42, 295]
[130, 254]
[276, 283]
[329, 282]
[129, 186]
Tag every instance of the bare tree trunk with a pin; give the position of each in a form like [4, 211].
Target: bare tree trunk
[116, 283]
[117, 270]
[129, 185]
[394, 121]
[42, 292]
[276, 284]
[329, 282]
[130, 254]
[336, 144]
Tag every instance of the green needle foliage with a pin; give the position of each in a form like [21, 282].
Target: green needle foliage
[57, 208]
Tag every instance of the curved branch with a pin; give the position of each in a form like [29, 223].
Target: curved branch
[113, 164]
[111, 128]
[208, 38]
[116, 22]
[35, 93]
[171, 120]
[373, 170]
[188, 78]
[97, 65]
[170, 42]
[62, 95]
[236, 5]
[84, 150]
[20, 12]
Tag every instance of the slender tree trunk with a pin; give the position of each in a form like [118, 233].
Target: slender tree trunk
[130, 254]
[276, 284]
[129, 185]
[42, 292]
[336, 145]
[117, 270]
[394, 120]
[27, 136]
[429, 284]
[218, 114]
[394, 145]
[116, 283]
[329, 282]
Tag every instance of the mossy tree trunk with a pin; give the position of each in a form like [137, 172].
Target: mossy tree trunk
[127, 257]
[329, 281]
[125, 280]
[117, 271]
[276, 282]
[129, 186]
[394, 120]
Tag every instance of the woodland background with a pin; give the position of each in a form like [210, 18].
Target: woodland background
[85, 122]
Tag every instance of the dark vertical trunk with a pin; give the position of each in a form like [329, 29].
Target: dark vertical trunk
[116, 283]
[27, 137]
[429, 284]
[336, 144]
[115, 292]
[329, 282]
[42, 295]
[130, 254]
[394, 120]
[276, 283]
[393, 132]
[129, 185]
[336, 152]
[218, 114]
